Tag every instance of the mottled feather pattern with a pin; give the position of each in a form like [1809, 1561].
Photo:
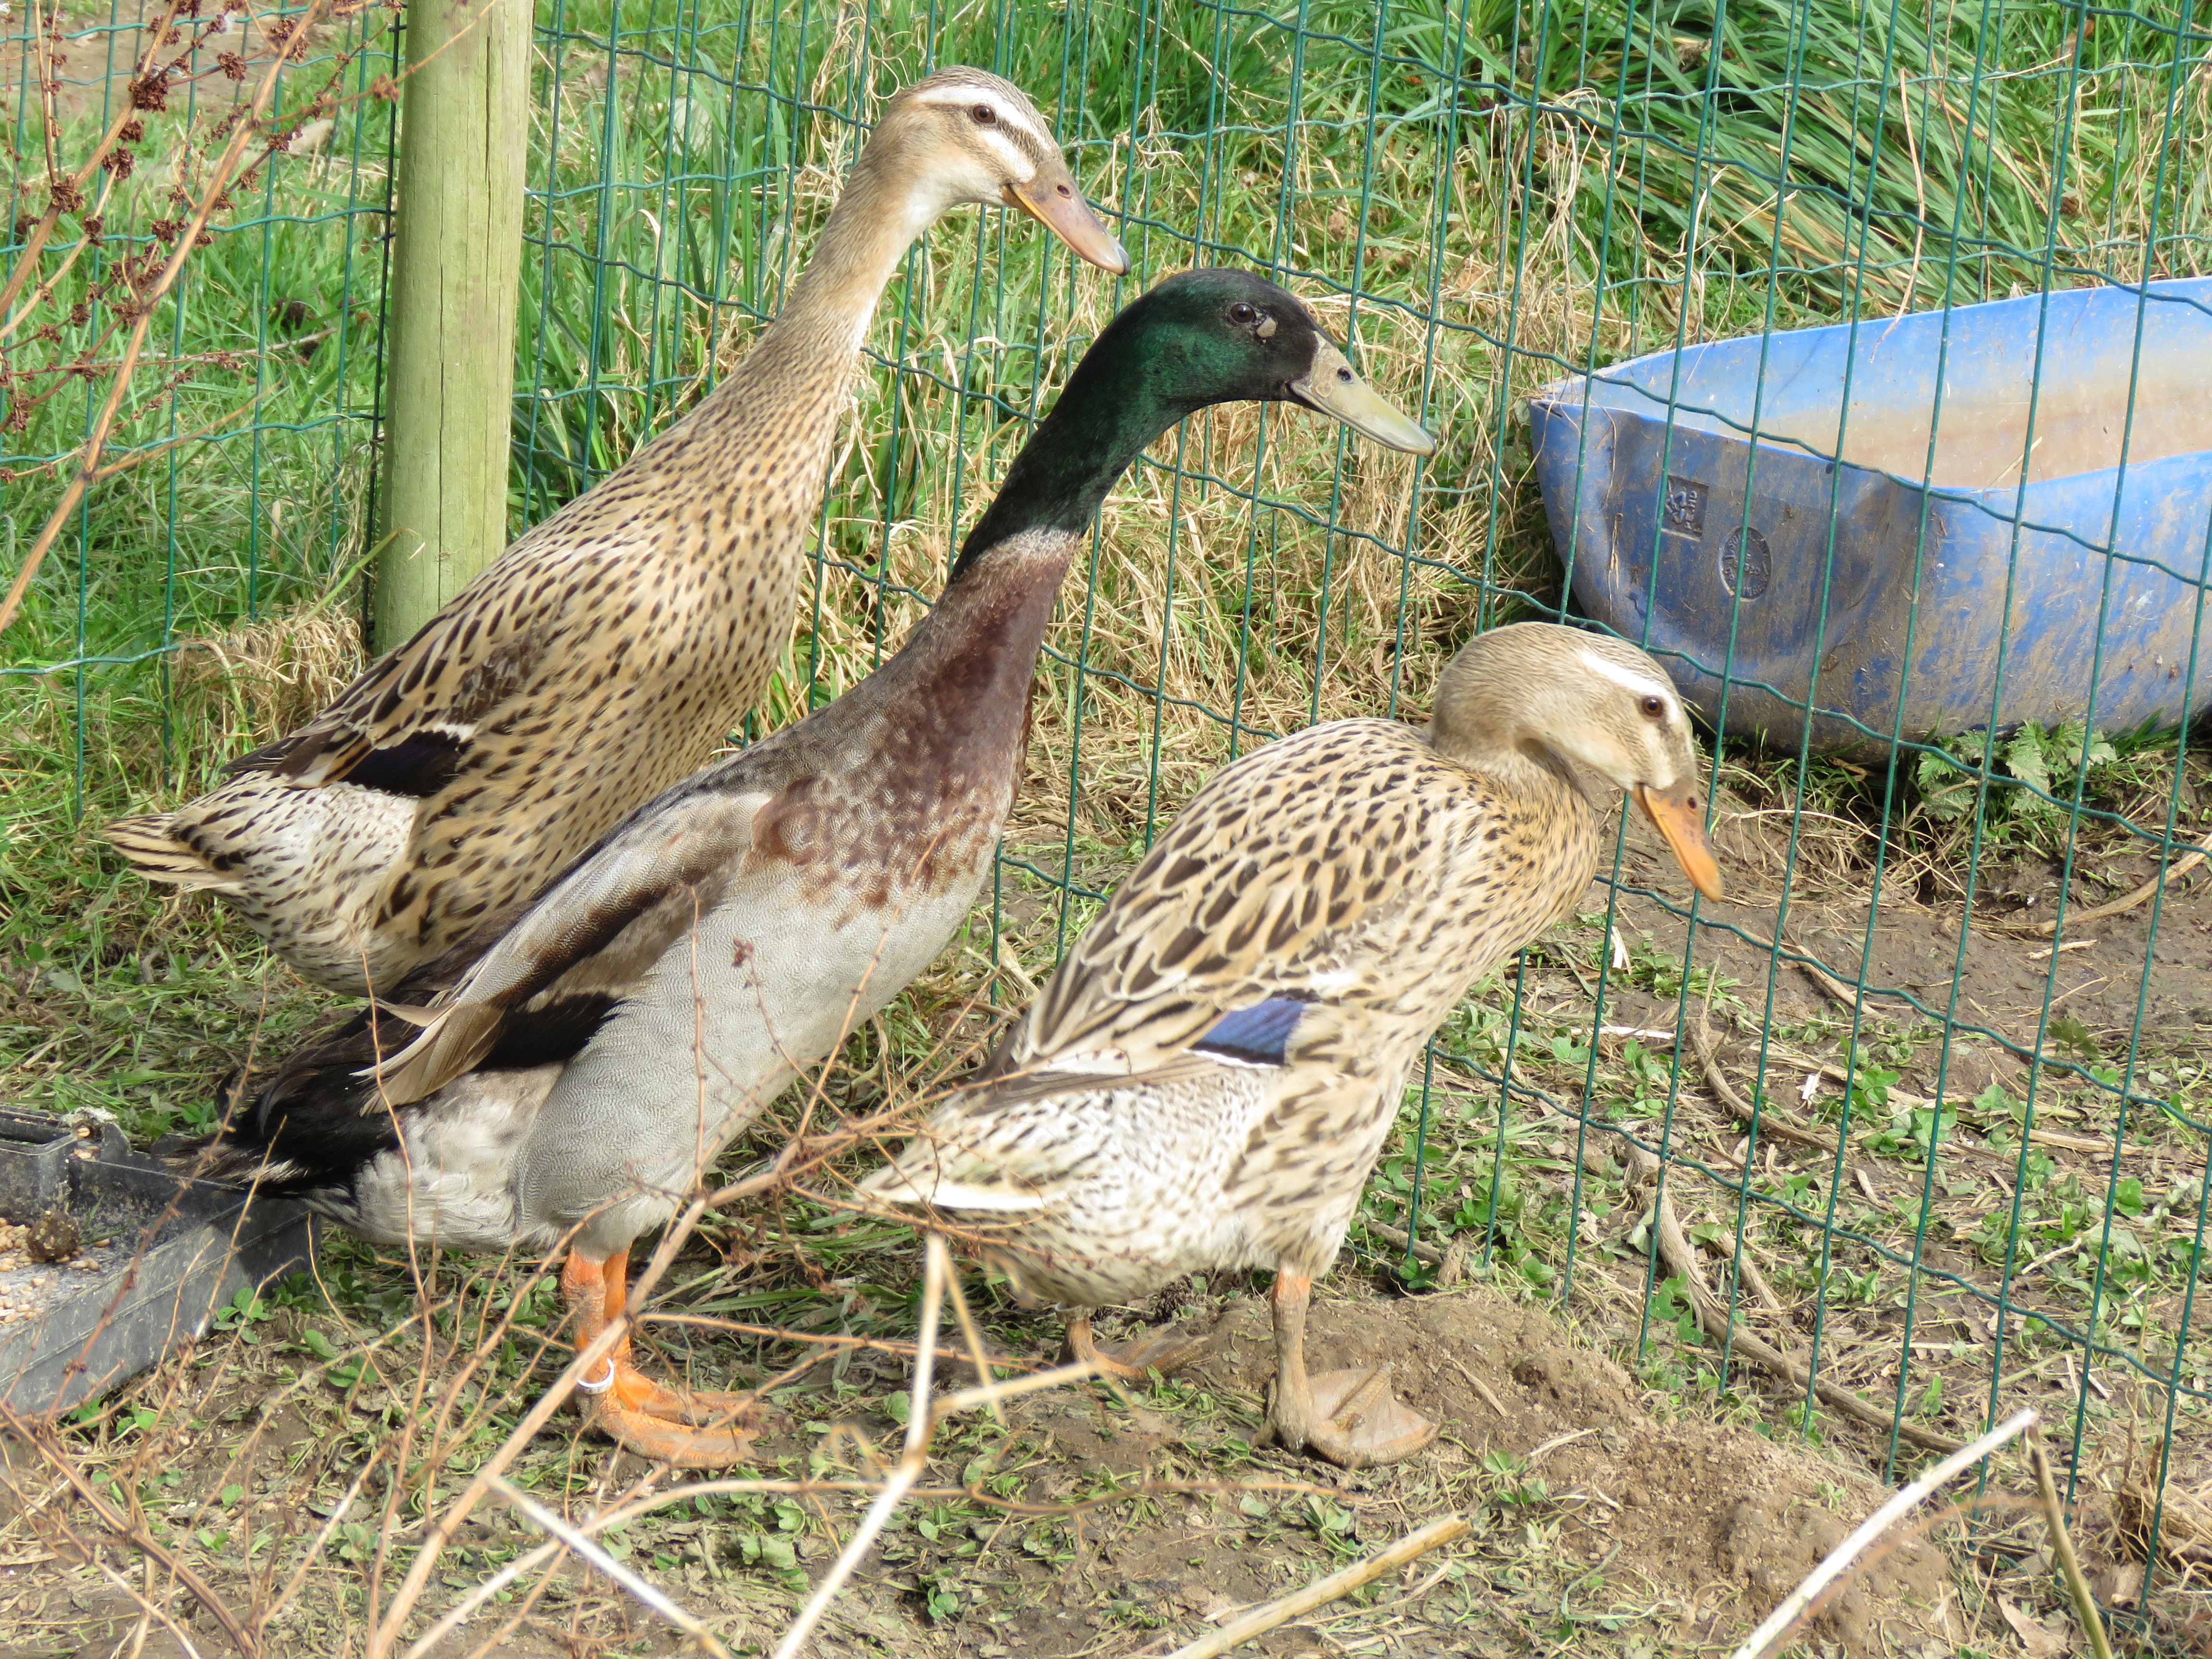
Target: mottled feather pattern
[647, 608]
[1296, 871]
[871, 824]
[1038, 1192]
[1350, 869]
[733, 930]
[602, 657]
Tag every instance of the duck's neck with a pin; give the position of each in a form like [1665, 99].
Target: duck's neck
[1115, 403]
[785, 395]
[965, 671]
[827, 313]
[1499, 747]
[972, 659]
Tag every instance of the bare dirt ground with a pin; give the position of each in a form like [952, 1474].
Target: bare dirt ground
[1606, 1521]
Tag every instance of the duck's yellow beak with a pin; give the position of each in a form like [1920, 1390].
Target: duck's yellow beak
[1053, 200]
[1332, 387]
[1679, 815]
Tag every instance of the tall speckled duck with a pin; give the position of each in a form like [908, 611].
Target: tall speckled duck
[604, 655]
[593, 1058]
[1207, 1081]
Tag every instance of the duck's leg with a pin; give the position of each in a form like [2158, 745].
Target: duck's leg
[1349, 1416]
[1166, 1350]
[695, 1430]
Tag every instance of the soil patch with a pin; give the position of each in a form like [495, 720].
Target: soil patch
[1899, 945]
[1126, 1524]
[1721, 1521]
[1691, 1531]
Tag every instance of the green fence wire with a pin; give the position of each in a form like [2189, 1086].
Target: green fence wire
[249, 431]
[1964, 1163]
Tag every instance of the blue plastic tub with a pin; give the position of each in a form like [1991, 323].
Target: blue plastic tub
[1677, 527]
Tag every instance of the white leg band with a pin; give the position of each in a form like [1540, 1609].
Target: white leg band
[584, 1385]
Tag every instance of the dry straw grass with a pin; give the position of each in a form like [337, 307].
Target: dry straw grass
[263, 678]
[2171, 1496]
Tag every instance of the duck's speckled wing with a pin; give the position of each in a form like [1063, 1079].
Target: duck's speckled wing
[625, 586]
[1286, 880]
[542, 614]
[1213, 1070]
[1020, 1143]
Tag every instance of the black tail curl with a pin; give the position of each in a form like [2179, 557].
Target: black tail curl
[323, 1114]
[311, 1123]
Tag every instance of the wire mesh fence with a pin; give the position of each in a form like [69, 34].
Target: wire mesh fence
[238, 451]
[1933, 1094]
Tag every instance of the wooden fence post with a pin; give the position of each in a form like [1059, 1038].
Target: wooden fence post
[456, 266]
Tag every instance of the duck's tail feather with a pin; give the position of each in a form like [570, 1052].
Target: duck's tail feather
[151, 844]
[239, 1163]
[452, 1041]
[311, 1124]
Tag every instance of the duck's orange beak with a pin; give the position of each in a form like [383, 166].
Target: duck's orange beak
[1679, 815]
[1053, 200]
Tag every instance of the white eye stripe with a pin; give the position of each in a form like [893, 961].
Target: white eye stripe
[969, 98]
[1018, 160]
[1643, 685]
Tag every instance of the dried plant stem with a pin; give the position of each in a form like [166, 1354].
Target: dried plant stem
[902, 1476]
[27, 260]
[879, 1345]
[641, 1500]
[151, 1614]
[1768, 1638]
[2062, 1545]
[136, 1535]
[459, 1614]
[1773, 1124]
[2173, 872]
[1420, 1248]
[638, 1586]
[1712, 1317]
[314, 1553]
[1322, 1591]
[978, 1355]
[46, 289]
[218, 181]
[387, 1629]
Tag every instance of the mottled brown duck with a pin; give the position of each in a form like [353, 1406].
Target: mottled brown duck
[593, 1058]
[606, 654]
[1207, 1080]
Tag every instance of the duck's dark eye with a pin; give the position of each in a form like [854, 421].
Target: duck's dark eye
[1655, 707]
[985, 115]
[1243, 313]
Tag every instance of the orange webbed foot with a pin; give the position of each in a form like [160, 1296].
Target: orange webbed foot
[693, 1430]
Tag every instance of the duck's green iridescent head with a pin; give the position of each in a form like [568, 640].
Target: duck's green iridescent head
[1218, 337]
[1201, 338]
